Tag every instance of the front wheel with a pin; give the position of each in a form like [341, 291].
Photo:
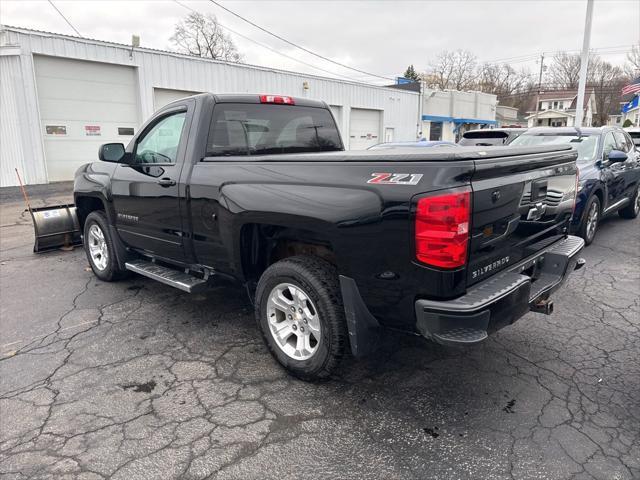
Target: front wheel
[100, 249]
[300, 314]
[632, 209]
[591, 220]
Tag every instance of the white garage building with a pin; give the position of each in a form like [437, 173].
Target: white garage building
[62, 96]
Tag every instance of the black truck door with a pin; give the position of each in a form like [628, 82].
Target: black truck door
[146, 193]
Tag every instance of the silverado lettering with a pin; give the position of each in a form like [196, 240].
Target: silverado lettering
[490, 267]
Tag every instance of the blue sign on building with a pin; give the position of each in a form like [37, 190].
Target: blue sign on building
[403, 81]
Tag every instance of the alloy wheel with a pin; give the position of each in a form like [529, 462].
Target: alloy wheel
[98, 247]
[293, 321]
[592, 221]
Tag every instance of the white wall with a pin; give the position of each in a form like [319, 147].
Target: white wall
[453, 104]
[173, 71]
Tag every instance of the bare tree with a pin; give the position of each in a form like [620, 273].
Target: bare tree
[606, 81]
[632, 67]
[564, 71]
[501, 79]
[453, 70]
[203, 36]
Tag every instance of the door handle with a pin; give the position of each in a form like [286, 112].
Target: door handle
[166, 182]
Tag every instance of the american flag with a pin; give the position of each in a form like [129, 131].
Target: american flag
[633, 87]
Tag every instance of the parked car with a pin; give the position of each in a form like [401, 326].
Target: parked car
[609, 166]
[634, 133]
[418, 144]
[491, 137]
[330, 245]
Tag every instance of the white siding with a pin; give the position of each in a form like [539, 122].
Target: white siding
[162, 70]
[20, 139]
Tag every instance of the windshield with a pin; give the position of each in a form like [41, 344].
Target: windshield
[259, 129]
[585, 145]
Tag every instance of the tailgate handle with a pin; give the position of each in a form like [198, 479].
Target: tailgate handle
[511, 227]
[538, 190]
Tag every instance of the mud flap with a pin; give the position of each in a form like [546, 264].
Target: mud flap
[363, 327]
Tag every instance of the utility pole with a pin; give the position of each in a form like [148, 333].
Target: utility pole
[584, 64]
[535, 119]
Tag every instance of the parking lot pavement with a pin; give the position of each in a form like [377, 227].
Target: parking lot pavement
[138, 380]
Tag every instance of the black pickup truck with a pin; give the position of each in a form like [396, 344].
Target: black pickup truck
[332, 246]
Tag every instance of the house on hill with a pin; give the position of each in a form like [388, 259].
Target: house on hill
[557, 108]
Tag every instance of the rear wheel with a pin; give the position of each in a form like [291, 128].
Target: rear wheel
[300, 314]
[591, 220]
[632, 209]
[99, 248]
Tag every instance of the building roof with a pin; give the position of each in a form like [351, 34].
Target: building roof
[585, 104]
[29, 31]
[506, 107]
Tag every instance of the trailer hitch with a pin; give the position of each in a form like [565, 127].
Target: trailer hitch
[543, 305]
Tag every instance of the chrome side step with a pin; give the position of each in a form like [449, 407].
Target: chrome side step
[168, 276]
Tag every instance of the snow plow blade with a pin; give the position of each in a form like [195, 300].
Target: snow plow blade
[55, 227]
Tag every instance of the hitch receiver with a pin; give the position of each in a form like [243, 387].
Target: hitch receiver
[544, 305]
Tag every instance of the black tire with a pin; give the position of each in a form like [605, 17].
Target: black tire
[586, 232]
[633, 208]
[317, 279]
[111, 270]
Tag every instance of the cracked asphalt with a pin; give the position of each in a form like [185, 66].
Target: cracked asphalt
[136, 380]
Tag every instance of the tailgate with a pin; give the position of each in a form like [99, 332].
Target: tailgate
[521, 204]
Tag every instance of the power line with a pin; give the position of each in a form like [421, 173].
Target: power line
[268, 47]
[65, 19]
[533, 56]
[296, 45]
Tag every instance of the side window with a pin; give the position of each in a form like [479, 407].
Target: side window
[621, 141]
[609, 144]
[160, 144]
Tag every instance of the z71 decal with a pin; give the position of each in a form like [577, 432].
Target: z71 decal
[395, 178]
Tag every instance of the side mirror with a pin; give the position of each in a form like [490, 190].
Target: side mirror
[111, 152]
[617, 156]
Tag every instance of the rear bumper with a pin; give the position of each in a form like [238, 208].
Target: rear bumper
[502, 299]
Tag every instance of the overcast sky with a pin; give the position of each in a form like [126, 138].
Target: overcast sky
[380, 37]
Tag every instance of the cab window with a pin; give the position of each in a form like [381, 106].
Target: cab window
[160, 144]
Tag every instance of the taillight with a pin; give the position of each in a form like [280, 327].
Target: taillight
[442, 229]
[277, 99]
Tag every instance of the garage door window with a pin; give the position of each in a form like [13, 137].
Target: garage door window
[160, 144]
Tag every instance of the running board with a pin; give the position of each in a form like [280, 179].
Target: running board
[168, 276]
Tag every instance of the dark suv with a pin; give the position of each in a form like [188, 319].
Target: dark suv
[609, 165]
[490, 137]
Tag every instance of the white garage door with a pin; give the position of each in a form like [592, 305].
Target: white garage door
[364, 128]
[83, 105]
[164, 96]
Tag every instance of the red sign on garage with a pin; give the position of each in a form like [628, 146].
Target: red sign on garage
[92, 130]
